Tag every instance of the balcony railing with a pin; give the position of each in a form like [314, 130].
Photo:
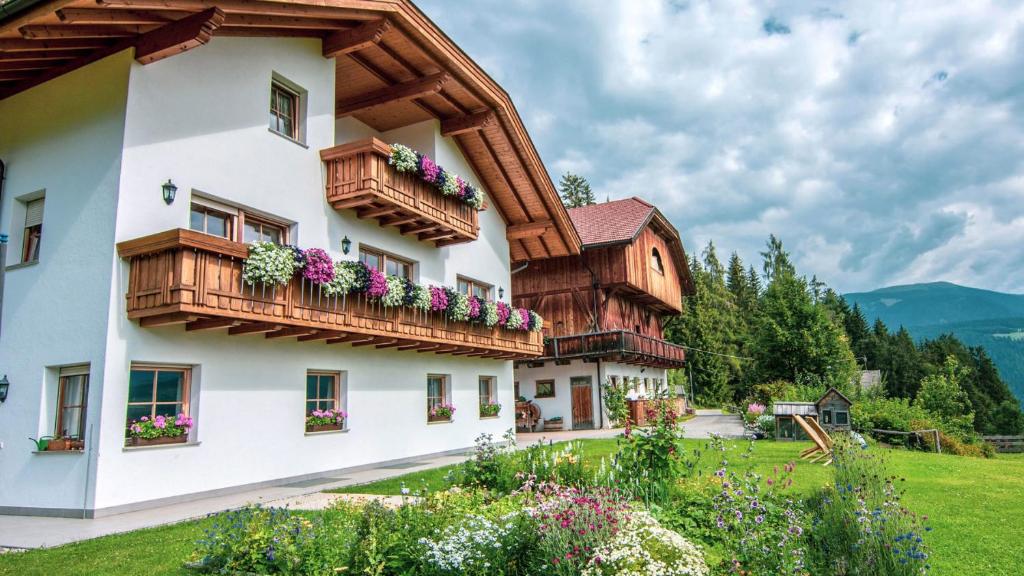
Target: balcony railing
[185, 277]
[360, 178]
[618, 346]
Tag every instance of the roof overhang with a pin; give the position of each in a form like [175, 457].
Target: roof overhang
[399, 69]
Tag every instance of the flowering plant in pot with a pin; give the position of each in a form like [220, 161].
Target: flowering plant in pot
[162, 429]
[490, 409]
[323, 420]
[442, 411]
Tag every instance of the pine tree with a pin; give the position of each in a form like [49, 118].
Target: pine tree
[776, 259]
[575, 191]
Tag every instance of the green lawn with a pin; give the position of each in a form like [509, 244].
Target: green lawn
[976, 508]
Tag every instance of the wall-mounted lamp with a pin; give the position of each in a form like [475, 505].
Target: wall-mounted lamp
[3, 238]
[169, 190]
[4, 386]
[346, 245]
[501, 292]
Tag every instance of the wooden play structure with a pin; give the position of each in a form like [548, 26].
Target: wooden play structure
[822, 449]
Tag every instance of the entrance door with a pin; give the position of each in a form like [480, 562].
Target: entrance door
[582, 402]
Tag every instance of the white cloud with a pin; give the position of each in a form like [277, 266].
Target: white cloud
[884, 142]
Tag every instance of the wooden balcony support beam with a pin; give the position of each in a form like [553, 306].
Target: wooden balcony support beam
[468, 123]
[253, 328]
[372, 341]
[361, 200]
[399, 220]
[355, 39]
[290, 332]
[321, 335]
[395, 342]
[350, 338]
[415, 345]
[428, 348]
[395, 93]
[376, 212]
[408, 230]
[179, 36]
[212, 324]
[166, 319]
[451, 241]
[440, 235]
[528, 230]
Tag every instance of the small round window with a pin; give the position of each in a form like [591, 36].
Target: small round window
[656, 261]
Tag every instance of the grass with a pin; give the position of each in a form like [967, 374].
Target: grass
[975, 506]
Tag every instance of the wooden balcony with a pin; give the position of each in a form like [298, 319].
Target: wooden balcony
[615, 346]
[360, 178]
[190, 278]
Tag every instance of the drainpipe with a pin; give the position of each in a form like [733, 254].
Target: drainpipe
[600, 397]
[3, 239]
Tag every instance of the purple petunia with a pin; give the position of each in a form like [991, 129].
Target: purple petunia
[475, 306]
[378, 284]
[438, 299]
[504, 311]
[319, 267]
[428, 169]
[525, 315]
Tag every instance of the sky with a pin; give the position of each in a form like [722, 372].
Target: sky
[883, 142]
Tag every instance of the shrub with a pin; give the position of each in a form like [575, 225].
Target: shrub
[860, 525]
[254, 539]
[649, 460]
[766, 425]
[614, 396]
[478, 545]
[572, 524]
[642, 546]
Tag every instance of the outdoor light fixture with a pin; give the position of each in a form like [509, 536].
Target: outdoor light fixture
[169, 190]
[501, 292]
[346, 245]
[4, 385]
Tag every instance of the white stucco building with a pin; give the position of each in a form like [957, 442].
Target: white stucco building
[119, 301]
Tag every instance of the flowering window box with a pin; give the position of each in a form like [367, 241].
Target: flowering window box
[324, 428]
[438, 418]
[553, 424]
[135, 441]
[330, 420]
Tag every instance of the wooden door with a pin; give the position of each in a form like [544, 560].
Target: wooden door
[582, 402]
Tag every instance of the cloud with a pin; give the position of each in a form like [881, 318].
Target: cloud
[884, 142]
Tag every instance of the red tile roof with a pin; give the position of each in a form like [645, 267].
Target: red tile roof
[615, 221]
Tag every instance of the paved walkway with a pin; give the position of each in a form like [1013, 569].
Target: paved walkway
[37, 532]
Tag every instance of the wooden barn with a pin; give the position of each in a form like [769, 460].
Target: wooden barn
[604, 311]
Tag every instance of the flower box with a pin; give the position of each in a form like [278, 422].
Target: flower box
[438, 418]
[324, 428]
[553, 424]
[136, 441]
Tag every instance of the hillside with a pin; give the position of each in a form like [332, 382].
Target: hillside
[993, 320]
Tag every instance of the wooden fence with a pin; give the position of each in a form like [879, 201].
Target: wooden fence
[1006, 443]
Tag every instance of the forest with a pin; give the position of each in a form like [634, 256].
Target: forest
[773, 334]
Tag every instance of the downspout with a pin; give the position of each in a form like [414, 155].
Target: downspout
[3, 241]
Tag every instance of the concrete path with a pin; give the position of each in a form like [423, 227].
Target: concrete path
[36, 532]
[710, 422]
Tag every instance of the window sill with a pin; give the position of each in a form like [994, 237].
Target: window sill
[159, 446]
[495, 417]
[432, 422]
[543, 397]
[322, 432]
[288, 138]
[58, 452]
[21, 265]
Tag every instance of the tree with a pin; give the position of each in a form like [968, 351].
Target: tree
[776, 259]
[942, 396]
[575, 191]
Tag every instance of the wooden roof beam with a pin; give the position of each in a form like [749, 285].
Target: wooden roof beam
[29, 55]
[82, 31]
[469, 123]
[17, 75]
[528, 230]
[395, 93]
[179, 36]
[16, 44]
[10, 66]
[362, 36]
[322, 10]
[132, 16]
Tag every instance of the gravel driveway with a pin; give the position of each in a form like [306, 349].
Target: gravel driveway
[709, 422]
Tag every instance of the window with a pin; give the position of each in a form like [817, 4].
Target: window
[158, 391]
[390, 265]
[842, 418]
[258, 230]
[656, 261]
[322, 391]
[545, 389]
[72, 392]
[826, 417]
[474, 288]
[211, 221]
[33, 230]
[437, 394]
[487, 393]
[284, 111]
